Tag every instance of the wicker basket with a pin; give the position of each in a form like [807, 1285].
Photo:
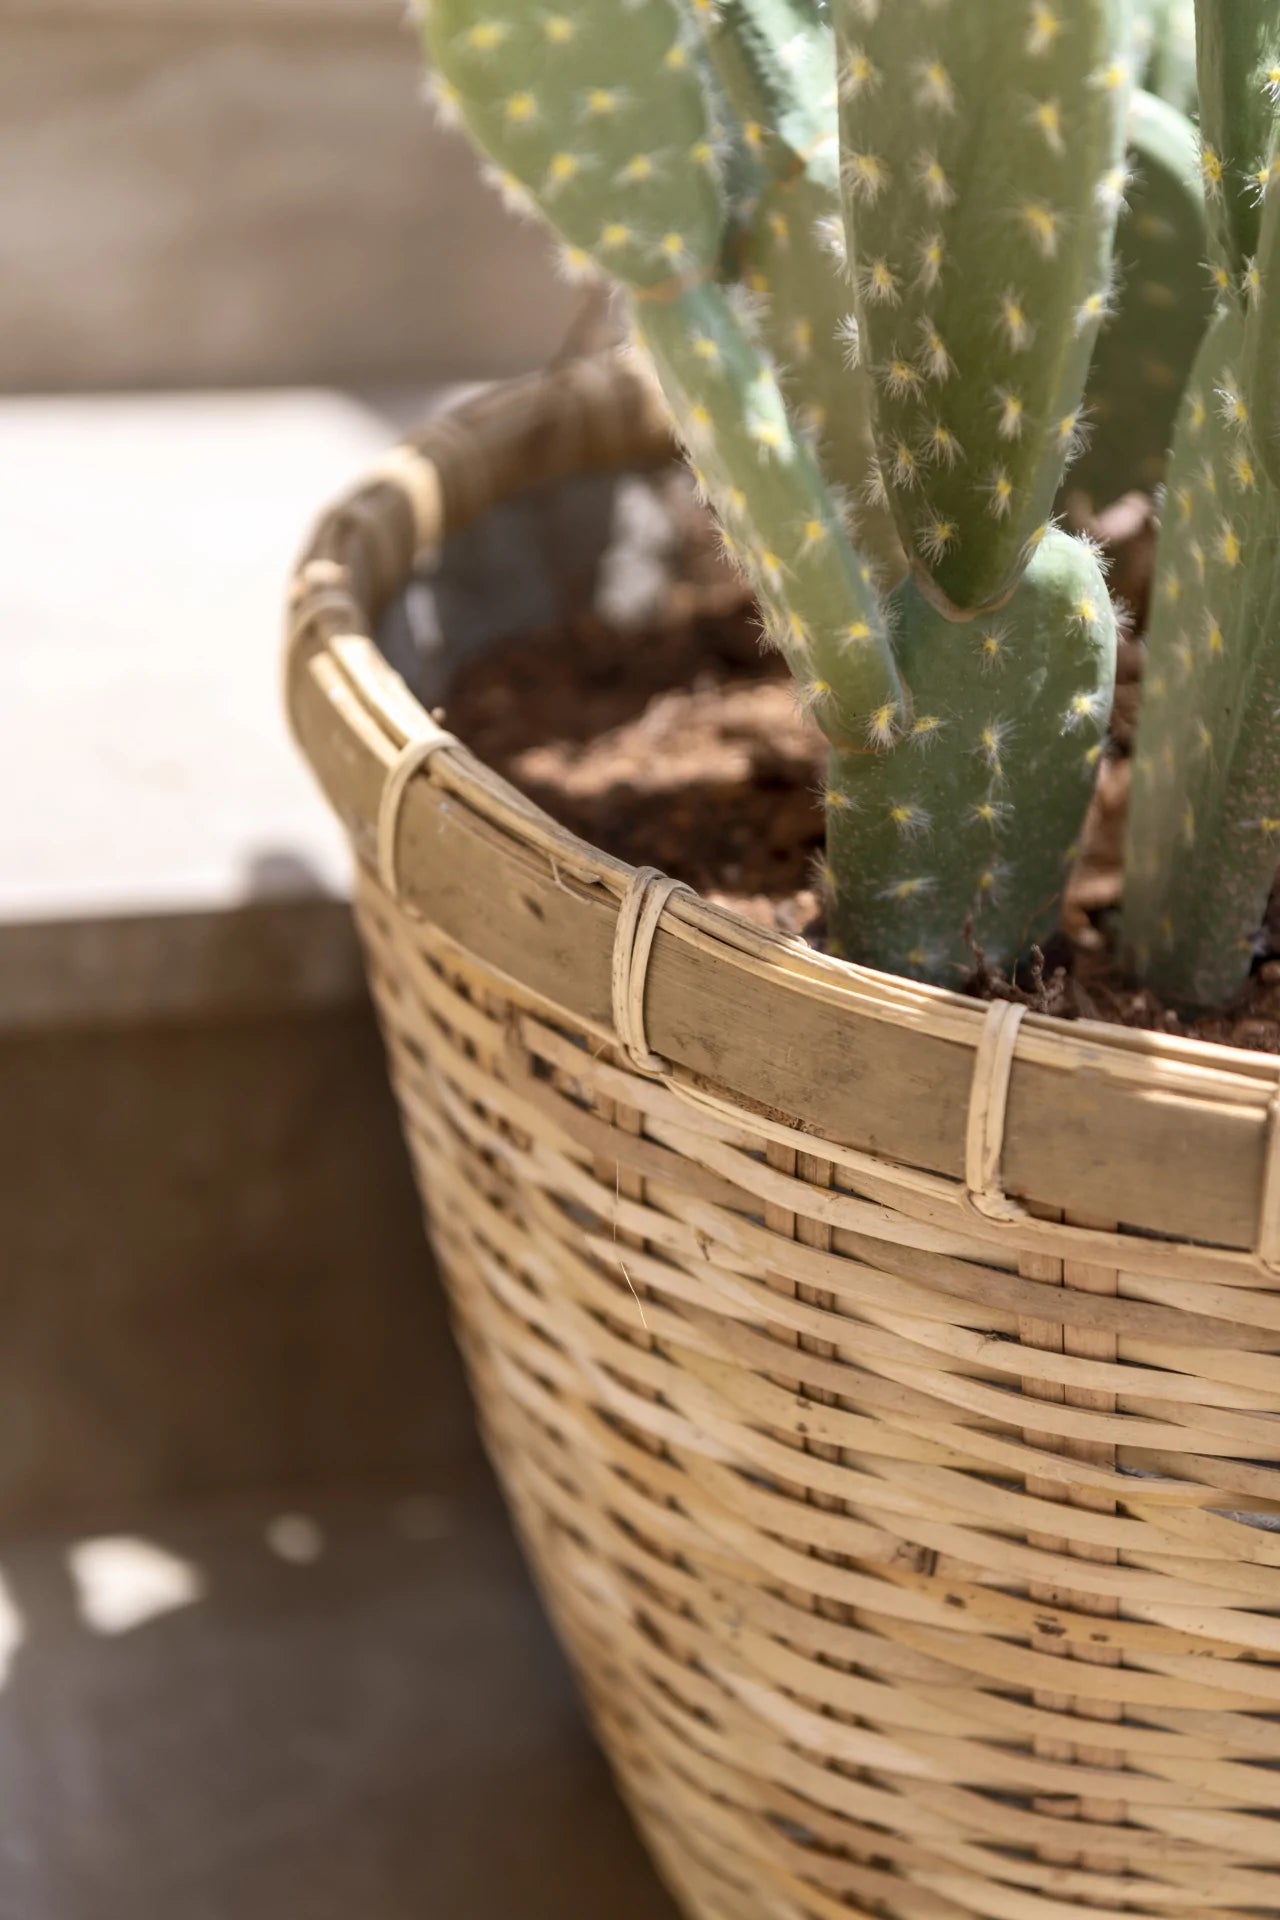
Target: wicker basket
[886, 1387]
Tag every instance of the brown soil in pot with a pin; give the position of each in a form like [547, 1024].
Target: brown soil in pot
[682, 747]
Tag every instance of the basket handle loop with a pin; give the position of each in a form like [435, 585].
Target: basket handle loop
[1268, 1247]
[415, 753]
[643, 905]
[988, 1107]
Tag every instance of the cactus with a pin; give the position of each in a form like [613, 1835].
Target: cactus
[776, 61]
[1165, 38]
[779, 520]
[603, 118]
[1262, 333]
[964, 703]
[1204, 829]
[974, 818]
[984, 170]
[1236, 54]
[1164, 302]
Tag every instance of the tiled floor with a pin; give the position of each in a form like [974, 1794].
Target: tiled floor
[343, 1708]
[359, 1714]
[277, 1657]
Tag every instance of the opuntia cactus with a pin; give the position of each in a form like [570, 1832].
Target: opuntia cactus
[982, 251]
[971, 820]
[1239, 81]
[602, 117]
[1204, 830]
[1163, 302]
[1165, 38]
[966, 705]
[776, 61]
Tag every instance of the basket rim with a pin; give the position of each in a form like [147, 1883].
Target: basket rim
[1113, 1127]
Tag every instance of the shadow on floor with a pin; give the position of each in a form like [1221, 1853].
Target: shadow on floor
[218, 1702]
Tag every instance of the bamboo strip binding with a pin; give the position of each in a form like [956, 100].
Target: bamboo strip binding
[639, 916]
[417, 752]
[915, 1543]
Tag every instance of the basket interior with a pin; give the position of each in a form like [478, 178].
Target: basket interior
[609, 543]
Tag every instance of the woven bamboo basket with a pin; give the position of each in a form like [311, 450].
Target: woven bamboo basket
[885, 1387]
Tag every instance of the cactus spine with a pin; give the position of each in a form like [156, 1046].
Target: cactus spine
[964, 702]
[1204, 830]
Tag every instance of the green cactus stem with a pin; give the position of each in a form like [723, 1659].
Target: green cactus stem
[601, 119]
[636, 185]
[776, 62]
[983, 170]
[956, 786]
[1238, 51]
[1261, 349]
[1204, 825]
[1165, 34]
[1164, 302]
[972, 821]
[779, 522]
[792, 264]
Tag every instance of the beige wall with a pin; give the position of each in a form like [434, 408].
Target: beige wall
[254, 192]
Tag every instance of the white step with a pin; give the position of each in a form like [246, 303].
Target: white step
[162, 847]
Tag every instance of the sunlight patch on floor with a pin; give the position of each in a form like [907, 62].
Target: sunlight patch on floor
[12, 1630]
[123, 1581]
[295, 1537]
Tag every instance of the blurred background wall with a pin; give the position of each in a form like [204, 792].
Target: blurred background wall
[237, 259]
[246, 192]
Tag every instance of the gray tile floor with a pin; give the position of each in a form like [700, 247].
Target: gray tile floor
[226, 1321]
[231, 1291]
[384, 1731]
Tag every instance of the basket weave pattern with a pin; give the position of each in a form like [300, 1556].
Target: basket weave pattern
[910, 1537]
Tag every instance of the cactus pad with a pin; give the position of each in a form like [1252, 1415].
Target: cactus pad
[974, 817]
[1238, 44]
[962, 751]
[1204, 827]
[1165, 35]
[983, 169]
[598, 115]
[1165, 301]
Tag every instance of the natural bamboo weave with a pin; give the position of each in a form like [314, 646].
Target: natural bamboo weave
[902, 1474]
